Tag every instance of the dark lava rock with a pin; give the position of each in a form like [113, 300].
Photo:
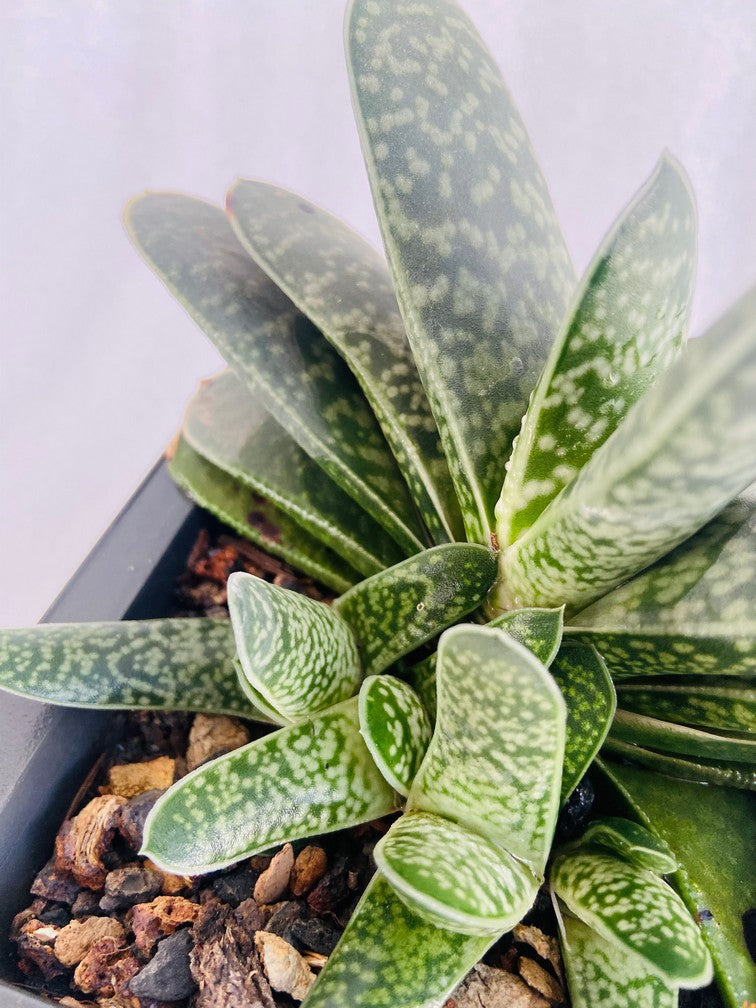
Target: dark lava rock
[332, 891]
[283, 917]
[56, 914]
[574, 817]
[131, 817]
[314, 934]
[87, 904]
[236, 886]
[130, 885]
[167, 976]
[54, 884]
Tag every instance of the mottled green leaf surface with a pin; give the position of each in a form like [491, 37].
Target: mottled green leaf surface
[478, 767]
[627, 323]
[296, 374]
[691, 440]
[709, 771]
[453, 877]
[390, 956]
[309, 778]
[730, 706]
[479, 264]
[395, 727]
[226, 425]
[631, 842]
[256, 519]
[177, 664]
[682, 740]
[396, 611]
[341, 284]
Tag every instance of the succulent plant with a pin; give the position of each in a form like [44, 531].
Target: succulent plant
[464, 432]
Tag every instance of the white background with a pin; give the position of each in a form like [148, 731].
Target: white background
[100, 99]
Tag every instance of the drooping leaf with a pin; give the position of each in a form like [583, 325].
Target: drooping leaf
[682, 453]
[681, 740]
[395, 727]
[727, 705]
[706, 771]
[226, 425]
[296, 652]
[173, 664]
[309, 778]
[479, 265]
[626, 325]
[396, 611]
[342, 285]
[499, 735]
[631, 842]
[256, 519]
[296, 374]
[455, 878]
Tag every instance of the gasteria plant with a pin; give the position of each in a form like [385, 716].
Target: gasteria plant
[599, 471]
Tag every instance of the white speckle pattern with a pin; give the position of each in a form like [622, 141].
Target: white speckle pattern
[395, 727]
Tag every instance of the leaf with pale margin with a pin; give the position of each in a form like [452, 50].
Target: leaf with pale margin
[295, 373]
[727, 705]
[681, 740]
[627, 323]
[226, 425]
[589, 695]
[310, 778]
[631, 842]
[395, 727]
[681, 455]
[455, 878]
[401, 608]
[692, 612]
[256, 519]
[390, 956]
[710, 771]
[634, 908]
[296, 652]
[499, 735]
[172, 664]
[479, 265]
[342, 285]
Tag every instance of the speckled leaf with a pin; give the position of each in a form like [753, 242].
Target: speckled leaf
[479, 264]
[681, 455]
[681, 740]
[589, 695]
[498, 775]
[395, 727]
[727, 705]
[627, 323]
[455, 878]
[693, 612]
[396, 611]
[256, 698]
[342, 285]
[709, 771]
[309, 778]
[256, 519]
[633, 907]
[390, 956]
[296, 374]
[176, 664]
[226, 425]
[631, 842]
[296, 652]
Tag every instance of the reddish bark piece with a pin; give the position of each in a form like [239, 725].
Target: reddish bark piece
[309, 868]
[106, 969]
[35, 942]
[83, 840]
[225, 963]
[162, 916]
[274, 881]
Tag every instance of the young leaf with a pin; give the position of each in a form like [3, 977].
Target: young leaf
[454, 878]
[342, 285]
[631, 842]
[226, 425]
[681, 455]
[681, 740]
[296, 374]
[627, 323]
[478, 262]
[727, 705]
[395, 727]
[309, 778]
[396, 611]
[709, 771]
[173, 664]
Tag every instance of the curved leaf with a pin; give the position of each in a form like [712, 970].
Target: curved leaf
[710, 771]
[651, 733]
[631, 842]
[395, 728]
[727, 706]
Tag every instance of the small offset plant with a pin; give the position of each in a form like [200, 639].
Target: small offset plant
[467, 436]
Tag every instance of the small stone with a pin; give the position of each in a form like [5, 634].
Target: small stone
[54, 884]
[78, 937]
[171, 885]
[131, 779]
[167, 976]
[56, 914]
[130, 885]
[163, 916]
[106, 969]
[86, 904]
[545, 946]
[35, 944]
[310, 866]
[283, 916]
[540, 980]
[575, 815]
[488, 987]
[212, 735]
[332, 890]
[315, 935]
[82, 841]
[274, 881]
[132, 815]
[285, 968]
[235, 886]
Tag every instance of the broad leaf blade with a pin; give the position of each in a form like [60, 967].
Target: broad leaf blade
[687, 768]
[395, 727]
[729, 706]
[627, 323]
[480, 268]
[652, 733]
[342, 285]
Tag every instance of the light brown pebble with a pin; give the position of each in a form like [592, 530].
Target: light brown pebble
[132, 779]
[211, 735]
[285, 968]
[78, 937]
[172, 885]
[274, 881]
[310, 867]
[539, 979]
[545, 946]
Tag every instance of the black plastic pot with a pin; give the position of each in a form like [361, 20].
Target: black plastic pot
[45, 751]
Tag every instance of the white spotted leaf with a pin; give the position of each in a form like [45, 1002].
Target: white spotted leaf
[723, 703]
[724, 773]
[631, 842]
[395, 727]
[682, 740]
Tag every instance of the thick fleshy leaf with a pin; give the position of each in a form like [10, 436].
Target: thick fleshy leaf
[174, 664]
[296, 652]
[342, 285]
[226, 425]
[309, 778]
[681, 455]
[708, 771]
[256, 519]
[295, 373]
[390, 956]
[395, 727]
[692, 612]
[631, 842]
[729, 706]
[681, 740]
[455, 878]
[479, 264]
[495, 760]
[634, 908]
[589, 695]
[396, 611]
[627, 323]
